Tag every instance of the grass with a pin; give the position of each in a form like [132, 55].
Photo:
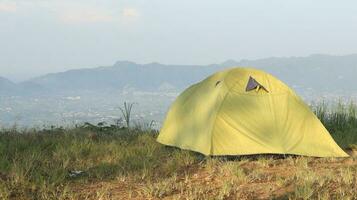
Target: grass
[118, 163]
[340, 120]
[38, 162]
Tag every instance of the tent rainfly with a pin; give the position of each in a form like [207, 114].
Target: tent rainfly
[242, 111]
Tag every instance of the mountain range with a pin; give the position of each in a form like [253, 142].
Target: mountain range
[322, 73]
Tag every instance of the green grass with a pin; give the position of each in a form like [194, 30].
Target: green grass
[33, 161]
[340, 120]
[35, 164]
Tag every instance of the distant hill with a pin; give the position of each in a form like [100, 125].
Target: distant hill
[124, 74]
[317, 72]
[322, 73]
[7, 87]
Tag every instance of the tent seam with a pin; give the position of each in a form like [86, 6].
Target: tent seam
[219, 109]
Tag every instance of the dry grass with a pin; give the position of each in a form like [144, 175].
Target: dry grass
[320, 178]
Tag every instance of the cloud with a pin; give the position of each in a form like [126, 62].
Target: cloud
[72, 12]
[8, 7]
[130, 13]
[129, 16]
[86, 16]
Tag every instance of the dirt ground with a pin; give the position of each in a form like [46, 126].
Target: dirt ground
[265, 177]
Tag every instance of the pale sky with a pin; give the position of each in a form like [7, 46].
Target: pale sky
[42, 36]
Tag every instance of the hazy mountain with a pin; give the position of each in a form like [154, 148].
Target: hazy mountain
[7, 87]
[317, 72]
[124, 74]
[94, 95]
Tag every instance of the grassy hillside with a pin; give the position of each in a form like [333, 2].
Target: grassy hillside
[98, 162]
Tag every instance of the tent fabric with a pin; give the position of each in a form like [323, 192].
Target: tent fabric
[217, 116]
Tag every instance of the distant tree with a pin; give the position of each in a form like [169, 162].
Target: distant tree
[126, 112]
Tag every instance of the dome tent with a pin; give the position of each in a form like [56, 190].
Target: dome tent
[242, 111]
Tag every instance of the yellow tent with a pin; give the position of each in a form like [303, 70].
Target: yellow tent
[243, 111]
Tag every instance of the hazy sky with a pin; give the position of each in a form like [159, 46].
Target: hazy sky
[41, 36]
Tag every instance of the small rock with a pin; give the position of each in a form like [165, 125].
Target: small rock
[75, 173]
